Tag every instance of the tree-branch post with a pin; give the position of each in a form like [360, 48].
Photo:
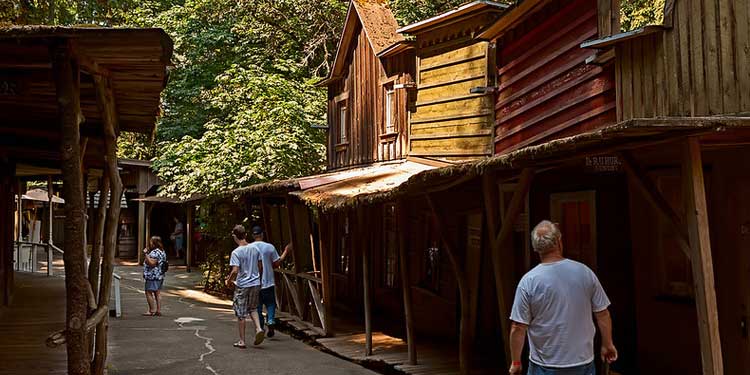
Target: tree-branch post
[67, 87]
[106, 104]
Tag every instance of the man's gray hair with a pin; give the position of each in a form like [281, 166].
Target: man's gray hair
[545, 236]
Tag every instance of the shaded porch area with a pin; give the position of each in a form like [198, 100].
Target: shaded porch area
[38, 309]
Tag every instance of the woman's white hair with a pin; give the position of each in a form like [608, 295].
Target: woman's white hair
[545, 236]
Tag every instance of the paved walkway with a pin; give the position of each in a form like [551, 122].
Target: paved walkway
[195, 336]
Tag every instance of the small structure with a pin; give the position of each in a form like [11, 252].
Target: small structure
[65, 95]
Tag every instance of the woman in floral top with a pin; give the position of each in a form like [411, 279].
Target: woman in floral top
[153, 275]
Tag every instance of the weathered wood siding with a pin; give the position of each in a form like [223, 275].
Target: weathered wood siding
[449, 121]
[362, 91]
[545, 88]
[699, 67]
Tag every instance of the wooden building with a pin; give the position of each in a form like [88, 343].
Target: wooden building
[635, 142]
[65, 95]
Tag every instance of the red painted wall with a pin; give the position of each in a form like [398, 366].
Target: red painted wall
[546, 89]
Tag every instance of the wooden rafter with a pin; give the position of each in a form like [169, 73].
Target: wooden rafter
[649, 190]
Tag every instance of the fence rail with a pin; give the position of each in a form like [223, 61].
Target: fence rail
[299, 294]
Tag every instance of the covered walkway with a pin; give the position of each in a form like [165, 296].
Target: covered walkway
[38, 309]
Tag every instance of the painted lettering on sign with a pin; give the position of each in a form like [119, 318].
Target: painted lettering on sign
[603, 163]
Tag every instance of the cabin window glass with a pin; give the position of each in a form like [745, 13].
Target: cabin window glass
[390, 105]
[342, 250]
[343, 134]
[676, 278]
[390, 258]
[430, 277]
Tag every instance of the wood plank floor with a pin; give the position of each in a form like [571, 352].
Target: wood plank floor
[431, 359]
[38, 309]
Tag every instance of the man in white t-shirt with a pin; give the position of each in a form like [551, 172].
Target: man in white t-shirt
[554, 304]
[245, 276]
[270, 260]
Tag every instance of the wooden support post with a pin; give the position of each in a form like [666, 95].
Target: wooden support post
[67, 87]
[464, 345]
[50, 221]
[649, 190]
[266, 220]
[149, 208]
[324, 234]
[403, 256]
[105, 101]
[362, 230]
[189, 227]
[141, 227]
[96, 245]
[696, 211]
[502, 264]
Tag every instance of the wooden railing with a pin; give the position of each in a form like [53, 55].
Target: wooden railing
[26, 255]
[299, 294]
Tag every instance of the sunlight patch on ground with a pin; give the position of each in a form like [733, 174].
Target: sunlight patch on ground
[201, 297]
[187, 319]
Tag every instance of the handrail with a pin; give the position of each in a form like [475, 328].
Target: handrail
[59, 250]
[304, 275]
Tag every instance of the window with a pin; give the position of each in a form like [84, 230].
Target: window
[342, 124]
[342, 250]
[430, 277]
[390, 118]
[390, 258]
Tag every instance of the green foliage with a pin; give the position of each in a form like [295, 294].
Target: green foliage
[63, 12]
[264, 130]
[410, 11]
[135, 146]
[639, 13]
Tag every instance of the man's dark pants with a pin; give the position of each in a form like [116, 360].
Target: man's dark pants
[268, 299]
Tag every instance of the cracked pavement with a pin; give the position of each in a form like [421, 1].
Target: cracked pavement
[195, 336]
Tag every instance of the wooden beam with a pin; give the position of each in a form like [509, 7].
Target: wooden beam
[464, 345]
[106, 103]
[696, 211]
[141, 226]
[362, 230]
[403, 257]
[649, 190]
[67, 83]
[502, 263]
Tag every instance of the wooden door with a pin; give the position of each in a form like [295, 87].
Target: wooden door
[575, 212]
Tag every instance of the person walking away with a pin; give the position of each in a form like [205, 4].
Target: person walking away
[245, 276]
[153, 274]
[553, 306]
[178, 237]
[270, 260]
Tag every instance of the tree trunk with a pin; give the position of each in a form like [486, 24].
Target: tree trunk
[105, 101]
[66, 75]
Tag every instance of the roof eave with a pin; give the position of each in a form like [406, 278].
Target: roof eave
[621, 37]
[451, 14]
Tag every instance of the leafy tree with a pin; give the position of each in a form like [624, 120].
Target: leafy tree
[639, 13]
[410, 11]
[268, 132]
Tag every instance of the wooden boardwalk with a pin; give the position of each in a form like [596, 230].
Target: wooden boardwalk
[38, 309]
[392, 351]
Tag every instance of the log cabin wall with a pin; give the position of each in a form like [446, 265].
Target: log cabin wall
[370, 100]
[546, 90]
[698, 67]
[449, 122]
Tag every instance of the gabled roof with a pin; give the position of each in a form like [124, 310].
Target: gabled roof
[378, 24]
